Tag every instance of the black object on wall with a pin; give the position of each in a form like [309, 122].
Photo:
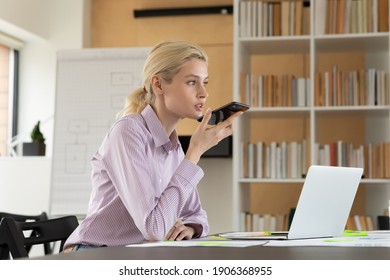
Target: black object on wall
[222, 150]
[184, 11]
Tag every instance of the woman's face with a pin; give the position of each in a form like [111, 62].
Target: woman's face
[186, 95]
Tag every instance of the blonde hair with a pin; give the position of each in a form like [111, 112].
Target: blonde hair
[165, 60]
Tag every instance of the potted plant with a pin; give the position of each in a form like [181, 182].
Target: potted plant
[37, 146]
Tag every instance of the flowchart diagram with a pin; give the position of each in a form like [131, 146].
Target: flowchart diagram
[92, 85]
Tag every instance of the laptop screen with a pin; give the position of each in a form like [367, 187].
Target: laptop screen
[325, 201]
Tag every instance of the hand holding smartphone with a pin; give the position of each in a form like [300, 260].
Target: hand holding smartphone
[224, 112]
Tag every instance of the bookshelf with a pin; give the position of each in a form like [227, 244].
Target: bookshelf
[316, 74]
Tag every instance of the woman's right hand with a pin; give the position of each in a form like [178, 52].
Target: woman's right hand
[206, 137]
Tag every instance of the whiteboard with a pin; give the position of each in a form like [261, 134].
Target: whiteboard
[91, 87]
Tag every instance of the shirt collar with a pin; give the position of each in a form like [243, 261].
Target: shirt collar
[159, 136]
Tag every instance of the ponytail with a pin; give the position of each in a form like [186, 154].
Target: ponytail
[136, 102]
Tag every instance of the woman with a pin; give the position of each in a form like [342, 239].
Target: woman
[143, 186]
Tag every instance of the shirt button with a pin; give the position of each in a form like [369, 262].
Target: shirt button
[160, 180]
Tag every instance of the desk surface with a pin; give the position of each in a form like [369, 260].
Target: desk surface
[226, 253]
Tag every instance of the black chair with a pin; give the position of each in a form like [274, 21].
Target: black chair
[4, 254]
[13, 239]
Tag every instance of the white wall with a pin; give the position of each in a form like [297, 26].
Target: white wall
[215, 191]
[50, 25]
[24, 184]
[45, 26]
[30, 16]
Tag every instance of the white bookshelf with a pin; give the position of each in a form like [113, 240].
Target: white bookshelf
[314, 51]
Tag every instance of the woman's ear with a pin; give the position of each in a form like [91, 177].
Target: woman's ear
[157, 85]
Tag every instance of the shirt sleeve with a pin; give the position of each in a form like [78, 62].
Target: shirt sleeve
[125, 159]
[194, 214]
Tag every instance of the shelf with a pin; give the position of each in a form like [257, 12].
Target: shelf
[353, 110]
[276, 45]
[266, 181]
[375, 181]
[301, 181]
[367, 42]
[277, 111]
[307, 56]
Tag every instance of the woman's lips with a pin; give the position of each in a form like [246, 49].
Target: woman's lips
[199, 107]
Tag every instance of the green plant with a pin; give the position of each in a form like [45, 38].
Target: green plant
[36, 134]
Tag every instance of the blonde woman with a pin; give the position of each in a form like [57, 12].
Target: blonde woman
[144, 188]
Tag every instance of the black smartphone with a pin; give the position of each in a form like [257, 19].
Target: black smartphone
[224, 112]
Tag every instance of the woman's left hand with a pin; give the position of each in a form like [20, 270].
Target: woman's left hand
[180, 231]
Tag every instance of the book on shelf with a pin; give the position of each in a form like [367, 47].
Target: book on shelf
[298, 18]
[341, 16]
[351, 88]
[351, 16]
[259, 23]
[274, 160]
[292, 17]
[273, 18]
[263, 222]
[320, 14]
[383, 15]
[253, 11]
[360, 222]
[373, 158]
[306, 18]
[276, 30]
[259, 159]
[339, 153]
[243, 160]
[370, 223]
[274, 90]
[285, 17]
[264, 19]
[242, 19]
[251, 160]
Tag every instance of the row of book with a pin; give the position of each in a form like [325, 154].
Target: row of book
[351, 88]
[339, 154]
[374, 158]
[260, 18]
[287, 160]
[274, 18]
[264, 222]
[351, 16]
[275, 91]
[363, 87]
[360, 222]
[275, 160]
[281, 222]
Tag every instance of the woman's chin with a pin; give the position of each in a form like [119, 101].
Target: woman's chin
[195, 116]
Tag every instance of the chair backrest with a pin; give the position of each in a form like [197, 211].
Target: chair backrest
[4, 253]
[13, 237]
[24, 218]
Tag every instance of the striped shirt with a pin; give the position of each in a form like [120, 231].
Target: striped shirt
[141, 185]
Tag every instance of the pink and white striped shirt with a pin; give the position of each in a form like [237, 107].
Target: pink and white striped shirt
[141, 185]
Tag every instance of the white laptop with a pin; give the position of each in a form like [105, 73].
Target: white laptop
[323, 207]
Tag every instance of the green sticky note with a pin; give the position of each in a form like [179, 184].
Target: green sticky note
[354, 233]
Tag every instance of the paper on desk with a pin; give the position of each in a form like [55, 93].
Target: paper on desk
[373, 239]
[201, 243]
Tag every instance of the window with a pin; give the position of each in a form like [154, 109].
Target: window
[8, 96]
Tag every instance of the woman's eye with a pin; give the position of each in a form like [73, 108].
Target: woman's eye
[191, 83]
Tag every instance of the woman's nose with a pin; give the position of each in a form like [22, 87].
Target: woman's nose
[203, 93]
